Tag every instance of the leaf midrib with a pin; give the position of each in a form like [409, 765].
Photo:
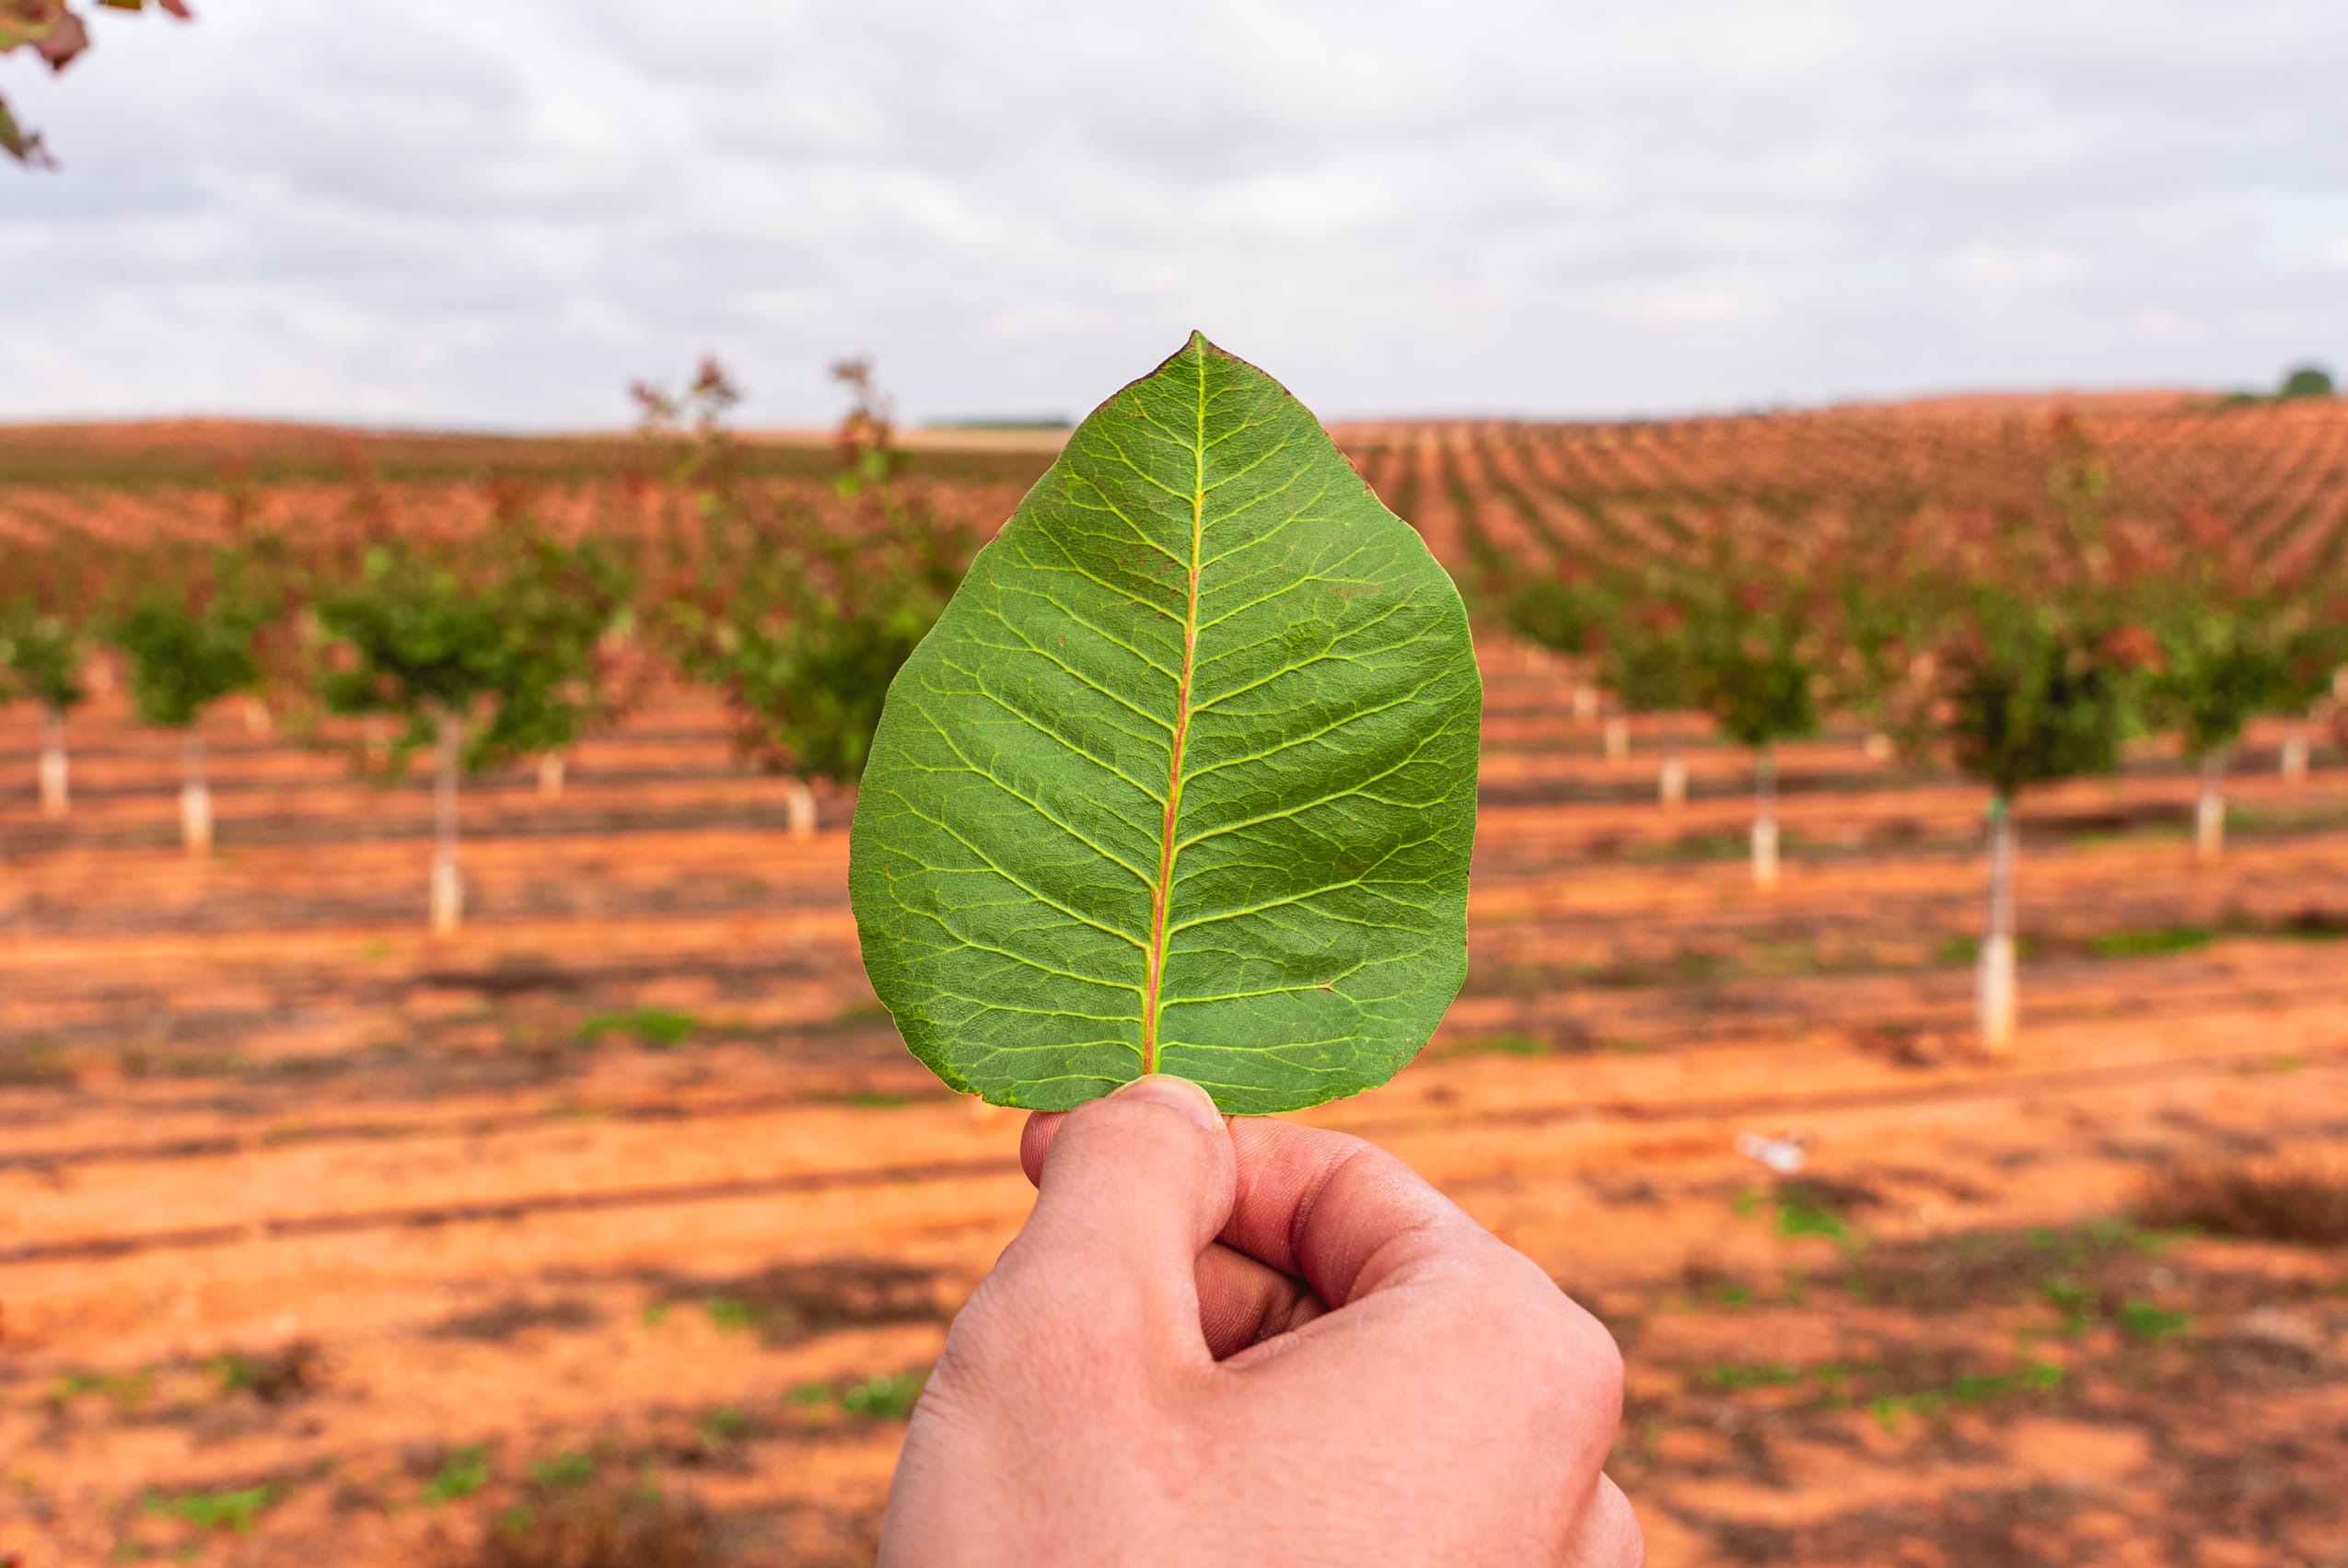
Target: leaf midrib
[1167, 845]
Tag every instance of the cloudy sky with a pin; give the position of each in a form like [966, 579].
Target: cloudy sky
[493, 213]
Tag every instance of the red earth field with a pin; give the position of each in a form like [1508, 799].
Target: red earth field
[321, 1241]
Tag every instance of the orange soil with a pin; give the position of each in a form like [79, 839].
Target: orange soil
[249, 1106]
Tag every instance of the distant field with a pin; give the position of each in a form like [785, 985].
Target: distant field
[202, 451]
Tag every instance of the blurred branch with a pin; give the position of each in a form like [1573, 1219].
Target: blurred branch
[52, 30]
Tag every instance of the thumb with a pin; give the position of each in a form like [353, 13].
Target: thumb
[1133, 1188]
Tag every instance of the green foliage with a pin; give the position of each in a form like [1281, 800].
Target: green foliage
[1731, 633]
[1560, 615]
[46, 594]
[803, 622]
[2233, 641]
[512, 621]
[1887, 614]
[188, 650]
[1754, 649]
[2307, 382]
[41, 656]
[801, 614]
[2034, 693]
[2008, 647]
[1185, 778]
[2217, 672]
[215, 1510]
[1648, 651]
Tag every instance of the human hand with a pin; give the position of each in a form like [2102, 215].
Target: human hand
[1256, 1343]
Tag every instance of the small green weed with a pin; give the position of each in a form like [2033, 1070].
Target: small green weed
[660, 1028]
[2074, 1300]
[1971, 1389]
[272, 1378]
[1770, 1375]
[1797, 1217]
[464, 1472]
[885, 1398]
[562, 1470]
[1958, 951]
[2142, 1321]
[889, 1397]
[128, 1389]
[722, 1426]
[730, 1314]
[2151, 944]
[214, 1510]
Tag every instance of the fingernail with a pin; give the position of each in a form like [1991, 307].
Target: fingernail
[1179, 1094]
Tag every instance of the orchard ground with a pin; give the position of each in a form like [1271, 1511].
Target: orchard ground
[321, 1241]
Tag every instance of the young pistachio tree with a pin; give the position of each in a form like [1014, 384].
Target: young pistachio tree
[487, 653]
[2221, 665]
[2034, 686]
[1645, 659]
[43, 649]
[801, 611]
[2032, 673]
[191, 639]
[1563, 612]
[1755, 651]
[2237, 637]
[2318, 683]
[802, 620]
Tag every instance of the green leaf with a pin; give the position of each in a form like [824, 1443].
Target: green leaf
[1184, 779]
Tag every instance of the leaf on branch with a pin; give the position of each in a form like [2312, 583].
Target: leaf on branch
[1184, 779]
[65, 37]
[26, 21]
[22, 145]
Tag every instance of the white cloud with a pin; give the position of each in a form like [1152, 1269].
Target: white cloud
[438, 211]
[2006, 267]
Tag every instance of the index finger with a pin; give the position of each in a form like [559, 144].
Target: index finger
[1339, 1212]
